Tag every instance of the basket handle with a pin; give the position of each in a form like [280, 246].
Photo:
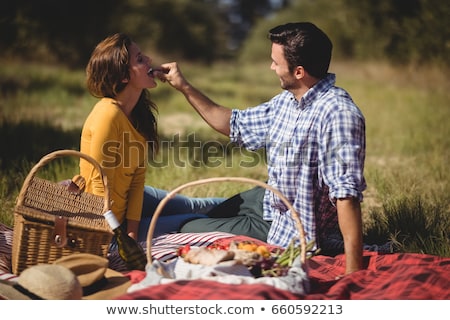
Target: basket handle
[172, 193]
[58, 154]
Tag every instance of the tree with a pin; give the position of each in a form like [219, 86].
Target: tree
[405, 31]
[67, 31]
[54, 29]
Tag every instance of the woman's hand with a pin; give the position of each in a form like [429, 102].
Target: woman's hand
[132, 228]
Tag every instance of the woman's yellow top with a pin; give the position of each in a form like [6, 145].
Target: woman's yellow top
[110, 138]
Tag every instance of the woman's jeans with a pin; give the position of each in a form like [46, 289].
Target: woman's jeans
[177, 211]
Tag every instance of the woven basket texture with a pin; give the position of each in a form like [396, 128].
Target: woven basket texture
[41, 203]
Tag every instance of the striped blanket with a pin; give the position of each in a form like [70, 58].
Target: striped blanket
[164, 248]
[6, 235]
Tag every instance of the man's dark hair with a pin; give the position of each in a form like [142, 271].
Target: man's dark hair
[304, 45]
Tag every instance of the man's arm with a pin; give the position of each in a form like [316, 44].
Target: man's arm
[350, 223]
[217, 116]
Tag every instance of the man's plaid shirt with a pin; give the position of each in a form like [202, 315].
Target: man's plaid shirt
[315, 141]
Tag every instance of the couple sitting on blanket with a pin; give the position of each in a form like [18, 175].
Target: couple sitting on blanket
[313, 134]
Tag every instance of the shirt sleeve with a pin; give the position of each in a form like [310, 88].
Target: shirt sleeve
[342, 154]
[249, 128]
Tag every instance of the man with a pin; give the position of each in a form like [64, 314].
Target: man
[314, 136]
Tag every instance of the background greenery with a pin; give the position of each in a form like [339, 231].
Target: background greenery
[392, 58]
[402, 31]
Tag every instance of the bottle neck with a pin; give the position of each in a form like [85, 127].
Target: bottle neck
[111, 219]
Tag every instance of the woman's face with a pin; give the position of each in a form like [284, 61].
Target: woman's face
[140, 64]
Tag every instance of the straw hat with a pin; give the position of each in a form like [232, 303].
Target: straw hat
[98, 281]
[42, 282]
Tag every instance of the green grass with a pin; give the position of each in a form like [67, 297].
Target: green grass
[42, 109]
[412, 225]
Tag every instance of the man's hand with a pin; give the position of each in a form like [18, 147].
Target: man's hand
[217, 116]
[172, 74]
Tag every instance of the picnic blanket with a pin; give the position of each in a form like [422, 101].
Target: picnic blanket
[398, 276]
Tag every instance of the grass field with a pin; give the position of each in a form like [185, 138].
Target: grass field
[42, 109]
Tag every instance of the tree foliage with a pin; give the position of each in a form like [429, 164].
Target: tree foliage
[400, 31]
[403, 31]
[67, 31]
[54, 29]
[193, 30]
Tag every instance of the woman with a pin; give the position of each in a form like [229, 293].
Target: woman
[120, 131]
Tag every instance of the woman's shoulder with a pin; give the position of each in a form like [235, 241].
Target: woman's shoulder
[106, 108]
[107, 105]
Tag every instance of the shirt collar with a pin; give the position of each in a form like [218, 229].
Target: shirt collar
[322, 86]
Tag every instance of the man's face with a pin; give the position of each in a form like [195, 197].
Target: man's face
[280, 66]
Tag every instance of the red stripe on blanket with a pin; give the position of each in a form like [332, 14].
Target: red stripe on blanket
[404, 276]
[165, 247]
[8, 276]
[209, 290]
[392, 276]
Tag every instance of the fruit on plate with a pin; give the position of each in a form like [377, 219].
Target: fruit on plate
[260, 260]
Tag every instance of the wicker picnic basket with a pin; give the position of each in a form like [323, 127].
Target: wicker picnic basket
[171, 194]
[51, 221]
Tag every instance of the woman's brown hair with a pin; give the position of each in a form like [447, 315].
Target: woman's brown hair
[107, 67]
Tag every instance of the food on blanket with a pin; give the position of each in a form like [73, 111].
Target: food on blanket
[288, 256]
[278, 264]
[246, 245]
[263, 251]
[258, 258]
[208, 257]
[182, 251]
[249, 253]
[244, 252]
[248, 258]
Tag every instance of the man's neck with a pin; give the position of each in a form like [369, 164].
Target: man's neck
[306, 84]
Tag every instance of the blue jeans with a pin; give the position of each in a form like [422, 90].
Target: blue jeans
[177, 211]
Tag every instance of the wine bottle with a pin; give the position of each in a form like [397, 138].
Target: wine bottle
[129, 250]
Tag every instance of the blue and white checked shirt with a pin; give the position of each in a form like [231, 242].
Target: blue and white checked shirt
[317, 140]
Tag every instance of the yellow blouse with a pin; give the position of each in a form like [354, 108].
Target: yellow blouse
[110, 138]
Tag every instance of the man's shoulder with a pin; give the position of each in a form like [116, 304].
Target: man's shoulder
[338, 99]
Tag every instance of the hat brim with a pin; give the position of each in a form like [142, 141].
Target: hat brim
[98, 281]
[116, 284]
[9, 292]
